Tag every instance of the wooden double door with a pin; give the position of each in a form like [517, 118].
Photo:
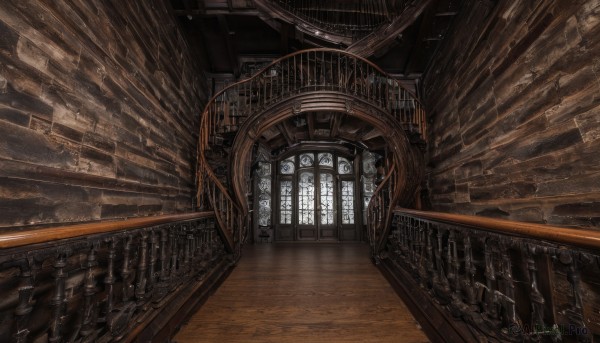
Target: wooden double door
[317, 201]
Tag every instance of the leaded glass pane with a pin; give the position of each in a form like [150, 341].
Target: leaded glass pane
[344, 166]
[264, 210]
[326, 159]
[306, 198]
[347, 196]
[285, 200]
[307, 160]
[368, 163]
[264, 169]
[264, 201]
[327, 211]
[287, 166]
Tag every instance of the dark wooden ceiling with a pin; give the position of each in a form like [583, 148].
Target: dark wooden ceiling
[232, 38]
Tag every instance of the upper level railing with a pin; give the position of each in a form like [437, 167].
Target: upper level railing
[105, 281]
[509, 281]
[305, 72]
[346, 22]
[353, 19]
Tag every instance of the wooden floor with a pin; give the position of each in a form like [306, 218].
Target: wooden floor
[303, 293]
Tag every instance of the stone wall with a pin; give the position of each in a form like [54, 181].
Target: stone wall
[514, 101]
[99, 104]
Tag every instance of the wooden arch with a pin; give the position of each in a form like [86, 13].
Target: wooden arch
[410, 165]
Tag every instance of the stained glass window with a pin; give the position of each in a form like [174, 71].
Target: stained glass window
[325, 159]
[347, 197]
[344, 166]
[306, 198]
[264, 169]
[368, 178]
[285, 200]
[287, 166]
[306, 160]
[264, 194]
[327, 210]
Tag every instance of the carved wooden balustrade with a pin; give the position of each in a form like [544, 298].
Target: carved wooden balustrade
[350, 19]
[109, 281]
[508, 281]
[380, 210]
[363, 27]
[305, 72]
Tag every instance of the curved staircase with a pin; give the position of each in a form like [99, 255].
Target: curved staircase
[315, 80]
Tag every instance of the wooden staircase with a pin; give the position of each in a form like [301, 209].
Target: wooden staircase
[231, 120]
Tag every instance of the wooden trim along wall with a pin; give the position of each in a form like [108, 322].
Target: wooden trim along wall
[582, 238]
[48, 235]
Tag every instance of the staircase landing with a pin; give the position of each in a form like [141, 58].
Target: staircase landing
[303, 293]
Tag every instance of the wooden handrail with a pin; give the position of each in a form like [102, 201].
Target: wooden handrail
[578, 237]
[22, 238]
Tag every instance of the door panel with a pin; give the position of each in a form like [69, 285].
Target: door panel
[306, 206]
[347, 209]
[326, 206]
[316, 198]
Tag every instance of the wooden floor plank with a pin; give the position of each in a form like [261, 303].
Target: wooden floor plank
[303, 293]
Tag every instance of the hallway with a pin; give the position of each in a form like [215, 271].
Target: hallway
[303, 293]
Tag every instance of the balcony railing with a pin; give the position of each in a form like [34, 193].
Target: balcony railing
[106, 281]
[508, 281]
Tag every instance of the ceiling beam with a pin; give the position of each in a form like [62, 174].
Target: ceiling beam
[374, 133]
[360, 134]
[285, 133]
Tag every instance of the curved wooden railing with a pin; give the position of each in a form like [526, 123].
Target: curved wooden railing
[304, 72]
[107, 281]
[508, 281]
[346, 23]
[379, 211]
[352, 20]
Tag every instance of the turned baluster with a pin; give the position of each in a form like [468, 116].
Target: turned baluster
[439, 264]
[24, 306]
[455, 263]
[152, 265]
[422, 259]
[509, 286]
[490, 276]
[173, 249]
[470, 270]
[89, 315]
[575, 311]
[537, 299]
[140, 280]
[194, 245]
[188, 248]
[126, 270]
[430, 264]
[449, 265]
[109, 279]
[403, 238]
[58, 299]
[413, 243]
[163, 276]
